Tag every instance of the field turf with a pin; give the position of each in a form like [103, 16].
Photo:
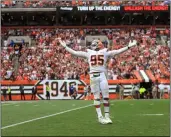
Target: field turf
[78, 118]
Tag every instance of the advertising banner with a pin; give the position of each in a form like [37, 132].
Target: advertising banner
[60, 88]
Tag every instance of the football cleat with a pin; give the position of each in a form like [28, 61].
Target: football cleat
[108, 120]
[102, 120]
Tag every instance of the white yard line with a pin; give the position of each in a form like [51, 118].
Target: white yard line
[152, 114]
[20, 123]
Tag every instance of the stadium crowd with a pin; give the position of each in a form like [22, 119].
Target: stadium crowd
[48, 60]
[53, 4]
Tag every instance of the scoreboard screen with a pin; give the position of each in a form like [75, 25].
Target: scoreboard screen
[80, 9]
[113, 15]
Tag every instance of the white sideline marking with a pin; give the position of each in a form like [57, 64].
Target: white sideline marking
[16, 102]
[9, 104]
[152, 114]
[45, 116]
[29, 102]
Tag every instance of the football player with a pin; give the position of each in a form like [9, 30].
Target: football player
[97, 59]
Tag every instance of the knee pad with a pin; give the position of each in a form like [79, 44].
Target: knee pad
[97, 102]
[106, 100]
[96, 98]
[105, 94]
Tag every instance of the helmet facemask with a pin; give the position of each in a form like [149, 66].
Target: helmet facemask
[95, 45]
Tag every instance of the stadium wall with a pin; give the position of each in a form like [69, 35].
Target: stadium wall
[60, 88]
[88, 27]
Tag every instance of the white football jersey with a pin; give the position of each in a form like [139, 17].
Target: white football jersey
[97, 60]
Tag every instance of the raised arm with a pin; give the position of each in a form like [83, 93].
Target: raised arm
[115, 52]
[76, 53]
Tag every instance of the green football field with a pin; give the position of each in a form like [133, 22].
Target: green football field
[78, 118]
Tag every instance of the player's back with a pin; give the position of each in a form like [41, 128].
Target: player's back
[97, 60]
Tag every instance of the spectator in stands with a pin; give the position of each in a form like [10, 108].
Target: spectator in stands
[9, 73]
[152, 56]
[53, 4]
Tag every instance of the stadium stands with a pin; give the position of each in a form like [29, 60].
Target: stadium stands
[49, 3]
[47, 60]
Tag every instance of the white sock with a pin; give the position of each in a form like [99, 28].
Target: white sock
[106, 114]
[99, 112]
[98, 109]
[106, 107]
